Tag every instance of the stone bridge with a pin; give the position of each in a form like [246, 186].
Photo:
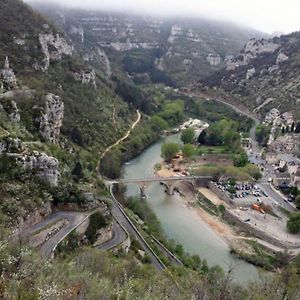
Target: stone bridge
[168, 182]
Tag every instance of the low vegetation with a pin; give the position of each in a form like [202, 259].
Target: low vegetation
[293, 224]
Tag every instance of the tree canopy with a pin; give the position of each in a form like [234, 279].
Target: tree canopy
[169, 150]
[188, 135]
[187, 150]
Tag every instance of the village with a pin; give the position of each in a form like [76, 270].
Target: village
[256, 207]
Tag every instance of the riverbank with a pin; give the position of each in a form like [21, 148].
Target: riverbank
[222, 229]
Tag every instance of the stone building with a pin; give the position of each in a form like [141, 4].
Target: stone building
[8, 79]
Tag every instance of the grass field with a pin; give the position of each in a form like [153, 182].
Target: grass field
[211, 149]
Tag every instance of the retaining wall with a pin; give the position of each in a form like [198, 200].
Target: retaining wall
[257, 231]
[222, 195]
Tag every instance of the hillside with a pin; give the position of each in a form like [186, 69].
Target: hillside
[151, 49]
[264, 75]
[56, 112]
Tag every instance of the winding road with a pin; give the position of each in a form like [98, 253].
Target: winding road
[119, 236]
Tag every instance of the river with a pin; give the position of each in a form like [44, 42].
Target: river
[180, 222]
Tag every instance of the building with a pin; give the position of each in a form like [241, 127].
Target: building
[281, 178]
[8, 79]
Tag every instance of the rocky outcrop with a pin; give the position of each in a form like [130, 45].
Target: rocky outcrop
[43, 166]
[105, 62]
[213, 59]
[51, 120]
[54, 47]
[8, 79]
[78, 31]
[14, 116]
[251, 51]
[281, 58]
[118, 46]
[10, 107]
[250, 73]
[84, 77]
[10, 145]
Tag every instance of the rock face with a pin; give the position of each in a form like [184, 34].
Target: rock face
[86, 77]
[250, 73]
[10, 145]
[165, 42]
[251, 51]
[78, 31]
[118, 46]
[45, 167]
[105, 61]
[53, 47]
[51, 120]
[14, 116]
[8, 79]
[281, 58]
[213, 59]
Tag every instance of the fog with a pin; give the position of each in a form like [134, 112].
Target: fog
[265, 15]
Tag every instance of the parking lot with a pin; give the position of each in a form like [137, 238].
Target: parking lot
[245, 194]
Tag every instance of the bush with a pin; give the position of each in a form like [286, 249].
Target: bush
[293, 224]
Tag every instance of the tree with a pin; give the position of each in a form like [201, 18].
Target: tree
[187, 151]
[77, 172]
[293, 224]
[297, 201]
[159, 123]
[111, 164]
[293, 127]
[202, 137]
[240, 160]
[297, 129]
[262, 134]
[169, 150]
[188, 135]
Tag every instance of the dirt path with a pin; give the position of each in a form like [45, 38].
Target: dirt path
[124, 137]
[212, 196]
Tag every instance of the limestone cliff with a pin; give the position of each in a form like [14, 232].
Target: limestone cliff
[54, 47]
[45, 167]
[52, 118]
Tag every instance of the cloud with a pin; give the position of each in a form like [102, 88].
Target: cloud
[269, 16]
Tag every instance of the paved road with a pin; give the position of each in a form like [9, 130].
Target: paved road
[119, 236]
[73, 220]
[119, 214]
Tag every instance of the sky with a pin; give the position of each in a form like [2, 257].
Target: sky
[265, 15]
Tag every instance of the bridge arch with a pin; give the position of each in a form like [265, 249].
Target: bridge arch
[168, 182]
